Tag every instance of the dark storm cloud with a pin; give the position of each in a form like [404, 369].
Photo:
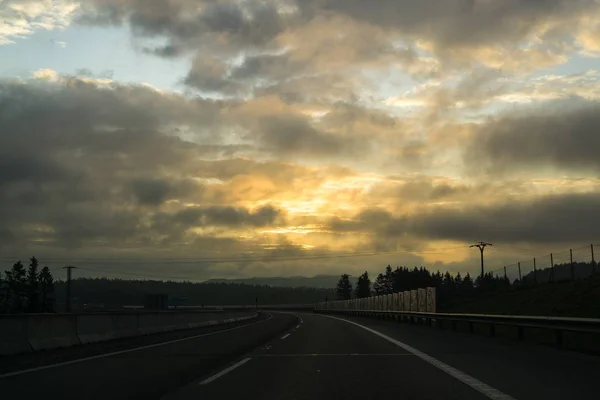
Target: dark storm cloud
[73, 156]
[567, 217]
[154, 192]
[551, 219]
[191, 24]
[562, 135]
[228, 216]
[456, 22]
[293, 135]
[448, 23]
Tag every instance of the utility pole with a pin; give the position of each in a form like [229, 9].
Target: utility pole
[68, 298]
[481, 246]
[593, 260]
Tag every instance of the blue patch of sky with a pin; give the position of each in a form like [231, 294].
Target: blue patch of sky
[98, 50]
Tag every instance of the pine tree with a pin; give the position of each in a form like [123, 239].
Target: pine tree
[379, 285]
[388, 280]
[458, 280]
[448, 280]
[17, 288]
[344, 288]
[33, 295]
[3, 292]
[46, 285]
[363, 286]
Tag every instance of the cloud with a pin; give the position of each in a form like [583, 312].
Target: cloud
[561, 136]
[550, 219]
[80, 156]
[76, 153]
[228, 216]
[60, 43]
[155, 191]
[439, 120]
[289, 135]
[223, 26]
[462, 23]
[21, 18]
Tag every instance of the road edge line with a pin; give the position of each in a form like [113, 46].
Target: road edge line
[476, 384]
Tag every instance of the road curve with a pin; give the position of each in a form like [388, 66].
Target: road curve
[358, 358]
[306, 356]
[329, 358]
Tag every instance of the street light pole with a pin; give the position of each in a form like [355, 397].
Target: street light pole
[481, 246]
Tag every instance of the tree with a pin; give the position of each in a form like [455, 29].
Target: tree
[379, 285]
[344, 288]
[46, 285]
[3, 293]
[33, 295]
[467, 283]
[16, 288]
[448, 280]
[363, 286]
[388, 280]
[458, 280]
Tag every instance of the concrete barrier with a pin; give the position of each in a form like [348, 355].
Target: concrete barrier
[32, 332]
[13, 337]
[51, 331]
[95, 328]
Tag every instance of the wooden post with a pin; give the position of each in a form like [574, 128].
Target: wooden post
[520, 277]
[534, 272]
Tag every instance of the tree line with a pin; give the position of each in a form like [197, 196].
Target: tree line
[451, 289]
[454, 289]
[27, 290]
[115, 293]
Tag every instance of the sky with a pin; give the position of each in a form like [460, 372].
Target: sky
[233, 138]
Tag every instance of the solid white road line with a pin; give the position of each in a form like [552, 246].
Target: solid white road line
[481, 387]
[114, 353]
[297, 326]
[285, 336]
[225, 371]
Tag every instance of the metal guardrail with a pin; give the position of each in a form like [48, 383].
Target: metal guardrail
[521, 322]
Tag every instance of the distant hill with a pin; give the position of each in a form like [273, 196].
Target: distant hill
[319, 281]
[115, 293]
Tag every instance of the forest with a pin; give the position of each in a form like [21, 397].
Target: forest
[33, 290]
[27, 290]
[454, 289]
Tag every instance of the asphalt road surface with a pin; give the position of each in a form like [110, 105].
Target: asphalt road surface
[140, 368]
[308, 356]
[331, 358]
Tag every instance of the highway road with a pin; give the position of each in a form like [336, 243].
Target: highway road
[306, 356]
[332, 358]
